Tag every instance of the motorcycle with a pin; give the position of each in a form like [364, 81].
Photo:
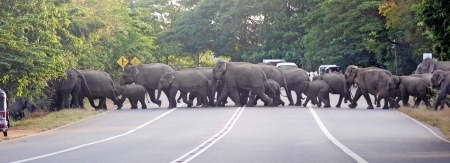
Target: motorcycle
[4, 118]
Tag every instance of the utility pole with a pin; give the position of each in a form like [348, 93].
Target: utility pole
[396, 58]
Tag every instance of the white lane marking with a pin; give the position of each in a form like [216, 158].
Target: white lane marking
[210, 142]
[424, 126]
[100, 141]
[334, 140]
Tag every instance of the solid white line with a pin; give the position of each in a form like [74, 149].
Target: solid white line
[334, 140]
[210, 142]
[100, 141]
[424, 126]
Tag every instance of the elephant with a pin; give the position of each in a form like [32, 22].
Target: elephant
[185, 81]
[429, 65]
[274, 73]
[208, 72]
[147, 75]
[99, 86]
[317, 89]
[370, 81]
[407, 86]
[441, 79]
[239, 77]
[338, 85]
[294, 76]
[17, 108]
[273, 90]
[426, 77]
[71, 85]
[134, 92]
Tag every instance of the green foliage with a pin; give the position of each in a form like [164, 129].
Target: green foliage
[435, 14]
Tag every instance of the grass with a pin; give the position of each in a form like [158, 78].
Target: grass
[439, 119]
[40, 121]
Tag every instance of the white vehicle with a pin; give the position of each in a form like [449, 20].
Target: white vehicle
[274, 61]
[287, 65]
[329, 68]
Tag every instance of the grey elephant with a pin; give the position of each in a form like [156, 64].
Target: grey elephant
[426, 77]
[406, 86]
[239, 77]
[317, 89]
[17, 108]
[134, 92]
[294, 76]
[208, 72]
[274, 73]
[370, 81]
[273, 90]
[338, 85]
[441, 80]
[185, 81]
[429, 65]
[147, 75]
[69, 86]
[100, 86]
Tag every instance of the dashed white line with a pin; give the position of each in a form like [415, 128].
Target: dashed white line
[424, 126]
[334, 140]
[208, 143]
[100, 141]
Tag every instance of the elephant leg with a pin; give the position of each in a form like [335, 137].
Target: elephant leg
[251, 101]
[185, 99]
[172, 102]
[193, 96]
[142, 101]
[151, 94]
[358, 95]
[299, 98]
[289, 94]
[243, 95]
[179, 98]
[417, 102]
[256, 100]
[65, 98]
[234, 95]
[119, 103]
[306, 101]
[91, 101]
[102, 103]
[324, 97]
[405, 99]
[341, 97]
[203, 95]
[367, 97]
[223, 95]
[260, 92]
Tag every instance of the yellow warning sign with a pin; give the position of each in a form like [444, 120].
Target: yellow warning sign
[122, 61]
[135, 61]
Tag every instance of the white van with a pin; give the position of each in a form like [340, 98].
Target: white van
[287, 65]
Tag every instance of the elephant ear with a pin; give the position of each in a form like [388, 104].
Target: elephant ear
[223, 67]
[397, 80]
[440, 77]
[304, 85]
[431, 68]
[170, 78]
[134, 71]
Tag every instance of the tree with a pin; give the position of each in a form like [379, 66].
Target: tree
[31, 51]
[436, 15]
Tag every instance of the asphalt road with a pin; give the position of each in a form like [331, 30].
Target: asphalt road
[236, 135]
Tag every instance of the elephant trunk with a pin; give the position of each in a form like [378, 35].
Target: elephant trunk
[159, 93]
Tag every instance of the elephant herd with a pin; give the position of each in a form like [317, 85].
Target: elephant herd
[244, 83]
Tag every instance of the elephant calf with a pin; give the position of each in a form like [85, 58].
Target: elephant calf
[316, 89]
[406, 86]
[134, 92]
[273, 90]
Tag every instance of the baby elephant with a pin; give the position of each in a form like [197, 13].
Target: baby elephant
[273, 90]
[316, 89]
[133, 92]
[405, 86]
